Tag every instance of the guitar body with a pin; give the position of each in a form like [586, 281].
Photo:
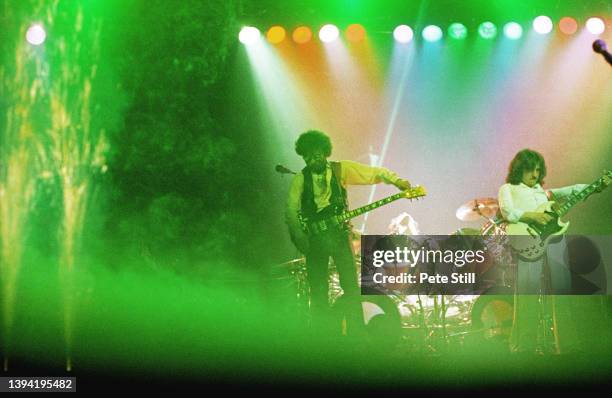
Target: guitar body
[530, 240]
[324, 221]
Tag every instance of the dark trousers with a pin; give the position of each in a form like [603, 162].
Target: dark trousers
[334, 244]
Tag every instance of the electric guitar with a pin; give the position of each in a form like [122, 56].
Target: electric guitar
[530, 240]
[326, 220]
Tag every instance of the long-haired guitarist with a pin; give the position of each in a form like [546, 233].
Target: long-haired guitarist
[523, 193]
[522, 201]
[526, 207]
[316, 193]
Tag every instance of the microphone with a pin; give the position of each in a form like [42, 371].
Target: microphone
[283, 170]
[599, 46]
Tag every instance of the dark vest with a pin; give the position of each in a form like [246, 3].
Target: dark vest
[337, 201]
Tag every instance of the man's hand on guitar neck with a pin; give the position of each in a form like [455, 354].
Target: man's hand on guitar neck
[605, 182]
[535, 217]
[403, 184]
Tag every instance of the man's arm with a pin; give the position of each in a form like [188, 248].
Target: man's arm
[506, 205]
[560, 193]
[513, 214]
[298, 236]
[354, 173]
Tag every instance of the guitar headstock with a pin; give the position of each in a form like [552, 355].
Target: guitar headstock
[414, 192]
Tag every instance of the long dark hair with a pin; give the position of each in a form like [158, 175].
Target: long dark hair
[525, 160]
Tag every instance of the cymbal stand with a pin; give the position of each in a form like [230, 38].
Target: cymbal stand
[440, 316]
[422, 319]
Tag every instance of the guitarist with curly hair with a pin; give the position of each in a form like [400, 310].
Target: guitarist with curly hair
[317, 193]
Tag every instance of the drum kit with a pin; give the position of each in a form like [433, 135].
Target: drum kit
[494, 236]
[437, 320]
[491, 314]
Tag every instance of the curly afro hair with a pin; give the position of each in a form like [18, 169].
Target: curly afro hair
[312, 140]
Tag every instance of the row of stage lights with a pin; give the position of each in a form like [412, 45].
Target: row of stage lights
[404, 33]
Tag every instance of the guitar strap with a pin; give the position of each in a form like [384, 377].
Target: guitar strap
[340, 191]
[339, 197]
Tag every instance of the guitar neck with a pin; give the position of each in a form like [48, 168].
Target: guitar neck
[575, 198]
[347, 215]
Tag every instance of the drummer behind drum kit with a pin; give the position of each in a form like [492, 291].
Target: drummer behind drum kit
[436, 320]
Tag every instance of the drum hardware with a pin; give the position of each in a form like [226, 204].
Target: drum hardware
[477, 208]
[494, 235]
[434, 317]
[440, 308]
[292, 274]
[483, 208]
[435, 321]
[492, 311]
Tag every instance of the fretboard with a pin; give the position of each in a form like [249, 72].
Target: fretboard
[364, 209]
[575, 198]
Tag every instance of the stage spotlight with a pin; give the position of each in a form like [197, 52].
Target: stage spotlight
[249, 35]
[302, 35]
[328, 33]
[542, 25]
[568, 25]
[276, 34]
[457, 31]
[355, 32]
[403, 34]
[595, 25]
[513, 30]
[432, 33]
[36, 35]
[487, 30]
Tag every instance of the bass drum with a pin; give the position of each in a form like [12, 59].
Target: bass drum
[492, 315]
[380, 314]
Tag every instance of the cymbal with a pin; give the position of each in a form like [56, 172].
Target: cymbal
[291, 264]
[477, 208]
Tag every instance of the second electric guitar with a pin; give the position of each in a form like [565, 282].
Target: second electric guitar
[530, 240]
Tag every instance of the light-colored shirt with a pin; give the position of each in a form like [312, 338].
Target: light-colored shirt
[515, 200]
[351, 173]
